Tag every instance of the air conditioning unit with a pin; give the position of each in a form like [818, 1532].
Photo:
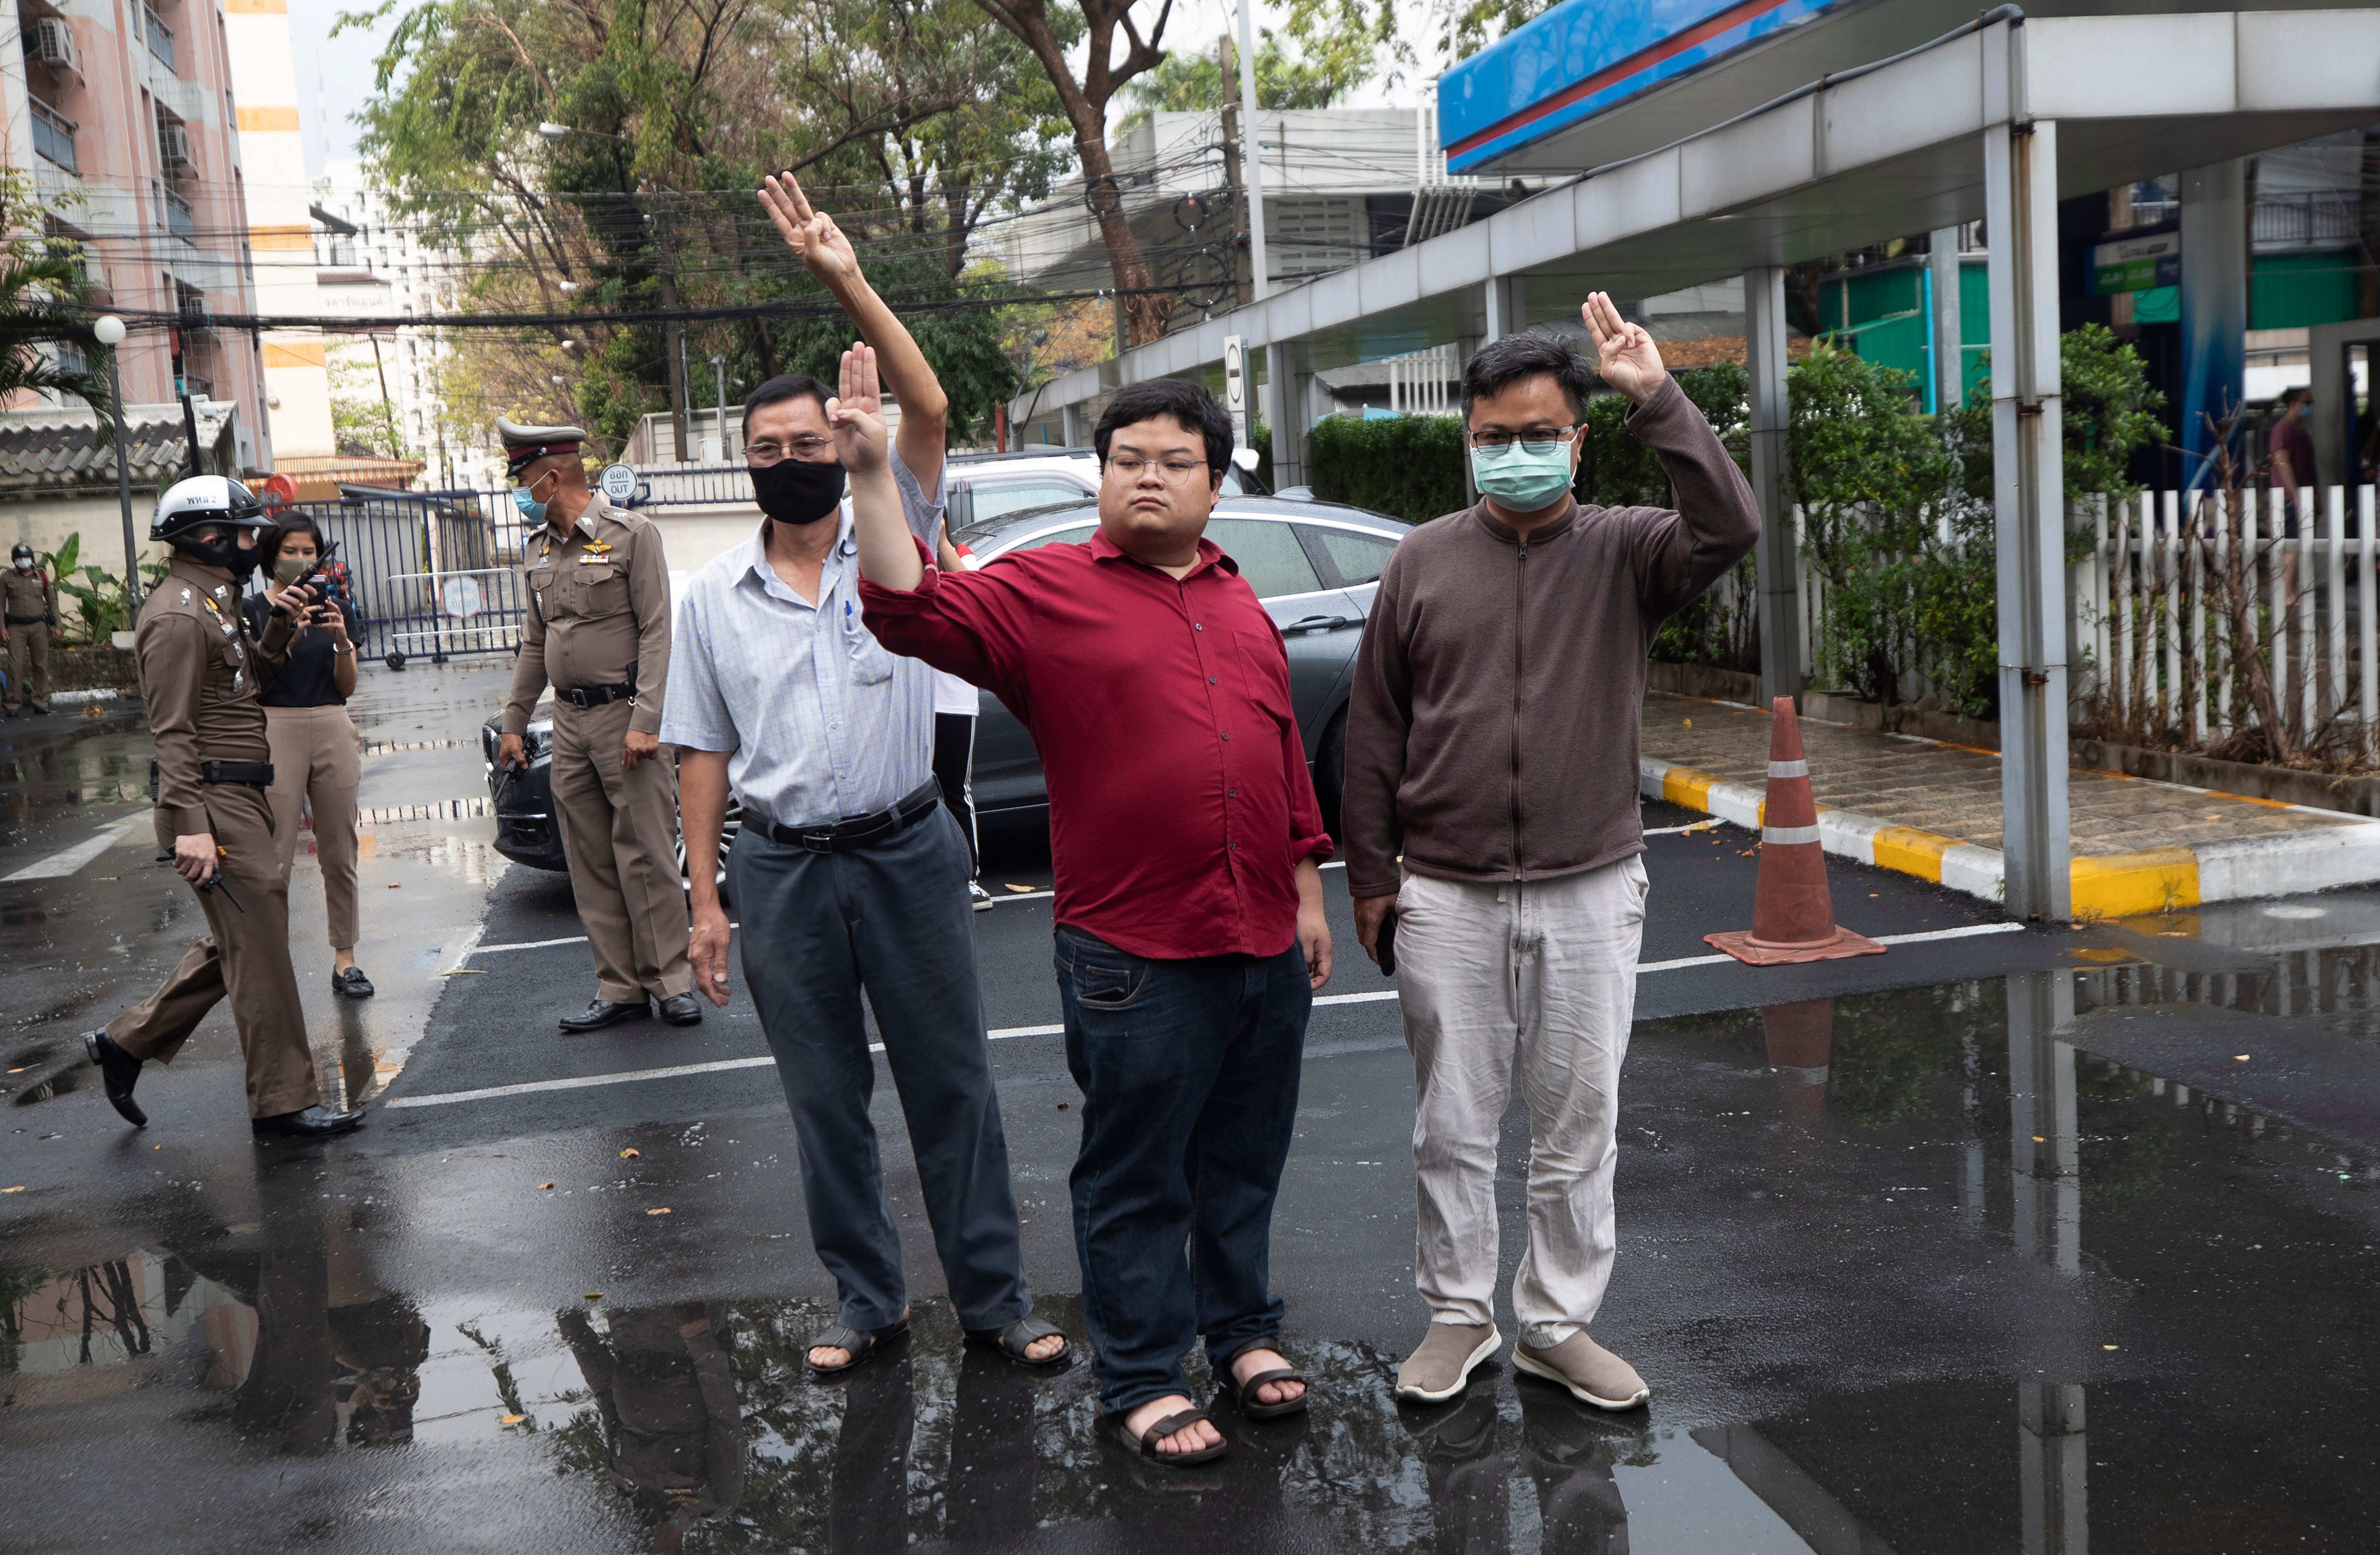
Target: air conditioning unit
[173, 145]
[53, 43]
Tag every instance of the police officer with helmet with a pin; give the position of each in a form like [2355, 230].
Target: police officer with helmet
[200, 671]
[29, 608]
[598, 629]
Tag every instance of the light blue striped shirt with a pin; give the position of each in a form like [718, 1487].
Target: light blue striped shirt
[823, 723]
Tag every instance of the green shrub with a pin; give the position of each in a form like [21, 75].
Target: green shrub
[1407, 466]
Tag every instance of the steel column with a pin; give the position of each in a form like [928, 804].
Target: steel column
[2028, 479]
[1949, 368]
[1780, 605]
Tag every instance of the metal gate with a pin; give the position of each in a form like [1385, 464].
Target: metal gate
[432, 574]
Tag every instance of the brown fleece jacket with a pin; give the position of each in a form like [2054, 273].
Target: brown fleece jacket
[1493, 734]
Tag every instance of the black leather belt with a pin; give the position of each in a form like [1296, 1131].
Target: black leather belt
[584, 696]
[885, 823]
[246, 774]
[26, 620]
[249, 774]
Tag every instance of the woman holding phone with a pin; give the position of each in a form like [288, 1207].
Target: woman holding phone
[315, 751]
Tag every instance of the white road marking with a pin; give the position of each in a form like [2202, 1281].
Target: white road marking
[57, 866]
[443, 1098]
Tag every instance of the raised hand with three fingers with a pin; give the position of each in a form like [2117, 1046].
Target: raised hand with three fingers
[855, 413]
[1629, 360]
[824, 249]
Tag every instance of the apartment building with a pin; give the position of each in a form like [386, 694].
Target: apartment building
[123, 115]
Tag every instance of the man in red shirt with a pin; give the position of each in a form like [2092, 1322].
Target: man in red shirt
[1188, 951]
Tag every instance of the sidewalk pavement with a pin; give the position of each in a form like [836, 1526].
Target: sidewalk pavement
[1933, 810]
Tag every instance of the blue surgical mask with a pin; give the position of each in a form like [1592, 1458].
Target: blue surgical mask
[1522, 478]
[530, 508]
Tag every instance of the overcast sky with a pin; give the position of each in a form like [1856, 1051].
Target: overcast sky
[336, 74]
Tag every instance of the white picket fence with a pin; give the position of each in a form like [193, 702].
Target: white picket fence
[2145, 605]
[2146, 628]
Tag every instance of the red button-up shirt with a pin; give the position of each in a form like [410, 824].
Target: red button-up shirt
[1180, 806]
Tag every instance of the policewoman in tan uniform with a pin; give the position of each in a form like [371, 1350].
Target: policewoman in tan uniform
[29, 608]
[598, 629]
[199, 673]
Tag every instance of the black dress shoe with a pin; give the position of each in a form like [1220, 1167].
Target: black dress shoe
[603, 1013]
[313, 1123]
[352, 983]
[682, 1009]
[119, 1070]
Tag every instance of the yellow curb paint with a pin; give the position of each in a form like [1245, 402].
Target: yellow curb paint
[1683, 786]
[1913, 852]
[2120, 884]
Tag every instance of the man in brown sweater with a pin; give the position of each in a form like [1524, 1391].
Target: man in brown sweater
[1492, 751]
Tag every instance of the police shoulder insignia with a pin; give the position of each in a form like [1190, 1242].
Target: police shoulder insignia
[221, 592]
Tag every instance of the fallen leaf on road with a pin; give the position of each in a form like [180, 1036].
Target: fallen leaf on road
[1013, 886]
[461, 971]
[2038, 1139]
[1689, 723]
[2239, 1058]
[19, 1071]
[18, 1188]
[2106, 1346]
[394, 885]
[631, 1153]
[656, 1211]
[545, 1185]
[594, 1295]
[510, 1419]
[1062, 1106]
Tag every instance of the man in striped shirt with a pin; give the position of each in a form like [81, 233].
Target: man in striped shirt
[849, 875]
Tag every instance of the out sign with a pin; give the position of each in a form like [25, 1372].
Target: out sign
[1236, 388]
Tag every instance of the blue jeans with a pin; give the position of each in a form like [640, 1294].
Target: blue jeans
[1189, 1073]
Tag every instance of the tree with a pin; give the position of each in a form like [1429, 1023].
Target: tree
[1198, 82]
[42, 288]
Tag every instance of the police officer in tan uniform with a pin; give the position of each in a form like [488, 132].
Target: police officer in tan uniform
[29, 608]
[598, 627]
[199, 673]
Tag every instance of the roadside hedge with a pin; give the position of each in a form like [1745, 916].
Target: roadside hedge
[1407, 466]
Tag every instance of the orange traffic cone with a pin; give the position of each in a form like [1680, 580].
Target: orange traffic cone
[1801, 1040]
[1793, 914]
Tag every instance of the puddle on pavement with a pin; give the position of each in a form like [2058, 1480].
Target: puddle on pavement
[2202, 1384]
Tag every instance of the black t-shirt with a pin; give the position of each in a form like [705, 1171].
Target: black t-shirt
[307, 683]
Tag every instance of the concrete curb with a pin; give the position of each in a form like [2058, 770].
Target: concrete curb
[2105, 885]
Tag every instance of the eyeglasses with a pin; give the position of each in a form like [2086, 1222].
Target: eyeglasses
[1534, 441]
[769, 452]
[1172, 471]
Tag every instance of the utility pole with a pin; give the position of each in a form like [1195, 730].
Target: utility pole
[719, 368]
[674, 341]
[1260, 280]
[1232, 166]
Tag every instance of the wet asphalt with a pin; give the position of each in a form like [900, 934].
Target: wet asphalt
[2007, 1242]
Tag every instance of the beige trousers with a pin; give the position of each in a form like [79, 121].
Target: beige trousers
[619, 832]
[315, 757]
[28, 665]
[246, 959]
[1545, 973]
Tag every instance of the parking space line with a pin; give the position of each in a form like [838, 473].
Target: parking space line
[1004, 1033]
[59, 865]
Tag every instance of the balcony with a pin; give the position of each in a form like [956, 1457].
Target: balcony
[174, 213]
[53, 135]
[160, 36]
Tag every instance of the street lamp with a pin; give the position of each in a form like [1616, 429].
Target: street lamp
[109, 332]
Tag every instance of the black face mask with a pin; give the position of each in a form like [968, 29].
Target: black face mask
[226, 554]
[795, 490]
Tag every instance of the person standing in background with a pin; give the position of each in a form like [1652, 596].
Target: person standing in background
[29, 606]
[955, 706]
[315, 754]
[598, 629]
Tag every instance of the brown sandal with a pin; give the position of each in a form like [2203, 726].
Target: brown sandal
[1146, 1443]
[1243, 1394]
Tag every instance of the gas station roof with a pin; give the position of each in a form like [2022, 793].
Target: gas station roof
[1863, 157]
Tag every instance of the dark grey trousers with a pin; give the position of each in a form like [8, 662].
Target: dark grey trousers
[892, 920]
